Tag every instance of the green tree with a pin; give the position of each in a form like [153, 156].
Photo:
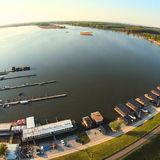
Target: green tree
[3, 149]
[116, 125]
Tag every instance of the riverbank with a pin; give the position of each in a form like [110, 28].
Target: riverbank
[152, 34]
[102, 147]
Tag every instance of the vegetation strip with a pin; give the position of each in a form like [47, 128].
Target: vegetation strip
[149, 33]
[148, 151]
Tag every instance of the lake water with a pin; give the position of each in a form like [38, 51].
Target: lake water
[97, 72]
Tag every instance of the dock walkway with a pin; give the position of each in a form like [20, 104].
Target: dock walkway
[15, 77]
[26, 85]
[23, 102]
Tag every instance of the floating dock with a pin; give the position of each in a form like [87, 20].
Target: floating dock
[26, 85]
[23, 102]
[15, 77]
[4, 73]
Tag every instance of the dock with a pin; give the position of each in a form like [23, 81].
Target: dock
[15, 77]
[27, 85]
[23, 102]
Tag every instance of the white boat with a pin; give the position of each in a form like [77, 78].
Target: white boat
[24, 102]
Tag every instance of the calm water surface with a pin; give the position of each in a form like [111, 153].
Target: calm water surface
[96, 72]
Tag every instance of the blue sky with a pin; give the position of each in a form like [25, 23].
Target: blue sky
[143, 12]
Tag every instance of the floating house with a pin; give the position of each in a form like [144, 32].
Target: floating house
[153, 98]
[156, 92]
[124, 112]
[86, 33]
[87, 122]
[97, 117]
[158, 87]
[143, 101]
[135, 106]
[47, 130]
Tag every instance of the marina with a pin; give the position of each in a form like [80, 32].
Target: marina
[23, 102]
[27, 85]
[74, 82]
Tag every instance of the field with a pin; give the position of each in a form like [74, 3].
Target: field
[149, 151]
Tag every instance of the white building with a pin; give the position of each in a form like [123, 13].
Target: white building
[47, 130]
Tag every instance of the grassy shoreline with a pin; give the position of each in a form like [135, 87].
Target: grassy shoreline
[106, 149]
[149, 151]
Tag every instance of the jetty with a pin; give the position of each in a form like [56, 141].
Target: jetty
[15, 77]
[27, 85]
[23, 102]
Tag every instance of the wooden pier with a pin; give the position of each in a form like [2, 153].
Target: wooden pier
[23, 102]
[15, 77]
[26, 85]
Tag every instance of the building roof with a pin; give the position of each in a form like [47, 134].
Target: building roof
[135, 103]
[97, 117]
[5, 126]
[30, 122]
[46, 129]
[122, 109]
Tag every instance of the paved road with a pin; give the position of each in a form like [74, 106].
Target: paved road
[132, 147]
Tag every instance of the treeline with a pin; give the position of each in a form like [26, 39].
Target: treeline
[146, 32]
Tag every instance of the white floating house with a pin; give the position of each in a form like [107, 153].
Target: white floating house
[47, 130]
